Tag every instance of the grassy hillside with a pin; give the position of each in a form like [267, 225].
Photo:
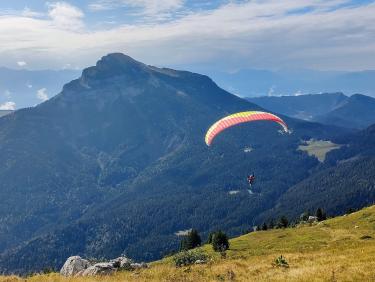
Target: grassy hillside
[339, 249]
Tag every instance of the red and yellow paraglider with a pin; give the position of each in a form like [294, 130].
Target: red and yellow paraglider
[238, 118]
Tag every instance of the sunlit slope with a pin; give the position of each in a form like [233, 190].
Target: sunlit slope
[339, 249]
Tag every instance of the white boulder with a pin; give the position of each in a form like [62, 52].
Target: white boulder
[104, 268]
[312, 219]
[73, 265]
[121, 262]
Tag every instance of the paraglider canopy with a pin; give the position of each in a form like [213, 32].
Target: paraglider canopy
[238, 118]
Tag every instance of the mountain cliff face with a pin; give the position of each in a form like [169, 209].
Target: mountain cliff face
[117, 163]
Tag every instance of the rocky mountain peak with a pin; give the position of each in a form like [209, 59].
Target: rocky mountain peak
[112, 66]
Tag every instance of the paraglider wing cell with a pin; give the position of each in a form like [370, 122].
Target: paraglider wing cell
[238, 118]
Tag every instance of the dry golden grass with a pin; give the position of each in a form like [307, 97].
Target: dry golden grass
[333, 250]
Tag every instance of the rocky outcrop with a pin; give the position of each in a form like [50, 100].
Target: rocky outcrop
[104, 268]
[122, 262]
[138, 265]
[74, 265]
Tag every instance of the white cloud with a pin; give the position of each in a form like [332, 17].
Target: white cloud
[26, 12]
[65, 15]
[257, 34]
[148, 7]
[8, 106]
[21, 63]
[42, 95]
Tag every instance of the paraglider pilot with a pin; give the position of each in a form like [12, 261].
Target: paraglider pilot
[250, 179]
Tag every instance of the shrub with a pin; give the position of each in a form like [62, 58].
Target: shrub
[220, 242]
[283, 222]
[351, 210]
[48, 270]
[189, 257]
[304, 216]
[281, 262]
[210, 236]
[320, 214]
[191, 241]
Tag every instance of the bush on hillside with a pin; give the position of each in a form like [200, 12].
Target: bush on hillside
[283, 222]
[189, 257]
[271, 224]
[281, 262]
[191, 241]
[220, 242]
[210, 236]
[320, 215]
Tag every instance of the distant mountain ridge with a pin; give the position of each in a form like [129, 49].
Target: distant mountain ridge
[305, 107]
[356, 111]
[253, 82]
[116, 163]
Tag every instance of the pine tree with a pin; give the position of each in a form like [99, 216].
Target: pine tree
[191, 241]
[271, 225]
[194, 239]
[320, 214]
[220, 242]
[264, 226]
[283, 222]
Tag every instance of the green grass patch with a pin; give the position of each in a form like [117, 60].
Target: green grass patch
[318, 148]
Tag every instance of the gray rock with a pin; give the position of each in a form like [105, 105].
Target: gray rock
[104, 268]
[121, 262]
[312, 219]
[139, 265]
[73, 265]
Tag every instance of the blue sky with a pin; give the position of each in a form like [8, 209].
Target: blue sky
[225, 35]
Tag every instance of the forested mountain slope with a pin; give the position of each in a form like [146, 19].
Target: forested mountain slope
[357, 112]
[345, 180]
